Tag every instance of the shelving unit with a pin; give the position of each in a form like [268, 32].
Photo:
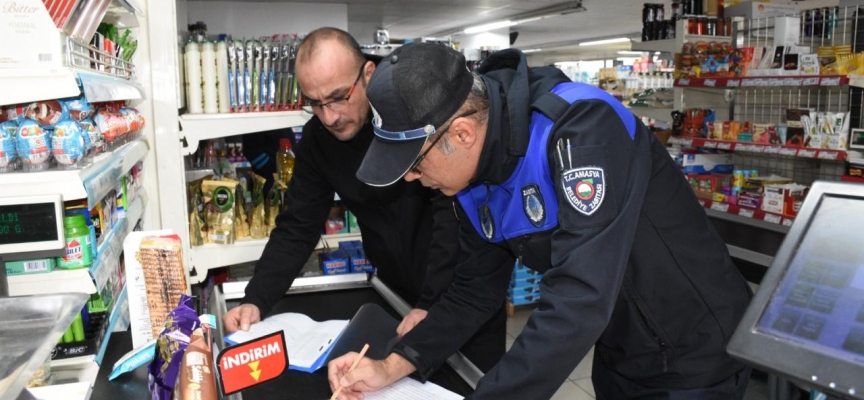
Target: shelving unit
[214, 255]
[92, 182]
[64, 66]
[757, 148]
[198, 127]
[764, 81]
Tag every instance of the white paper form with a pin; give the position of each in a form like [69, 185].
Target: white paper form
[409, 389]
[307, 340]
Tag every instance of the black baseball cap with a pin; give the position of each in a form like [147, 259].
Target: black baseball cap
[414, 90]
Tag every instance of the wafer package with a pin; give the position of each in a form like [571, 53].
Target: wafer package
[164, 277]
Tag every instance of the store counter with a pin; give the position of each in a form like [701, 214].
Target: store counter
[321, 298]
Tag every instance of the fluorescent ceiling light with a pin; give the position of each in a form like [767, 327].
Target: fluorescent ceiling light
[630, 53]
[489, 27]
[604, 41]
[625, 59]
[531, 50]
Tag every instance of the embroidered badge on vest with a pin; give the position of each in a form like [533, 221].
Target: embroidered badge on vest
[532, 204]
[486, 222]
[585, 188]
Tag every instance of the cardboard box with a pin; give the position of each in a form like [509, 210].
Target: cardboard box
[707, 163]
[787, 31]
[335, 262]
[359, 262]
[753, 10]
[350, 245]
[30, 266]
[784, 199]
[750, 199]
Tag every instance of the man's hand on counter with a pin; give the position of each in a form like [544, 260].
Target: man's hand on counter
[410, 321]
[369, 375]
[241, 317]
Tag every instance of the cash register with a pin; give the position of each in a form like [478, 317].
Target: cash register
[806, 321]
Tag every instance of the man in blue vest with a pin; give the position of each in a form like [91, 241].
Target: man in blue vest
[561, 177]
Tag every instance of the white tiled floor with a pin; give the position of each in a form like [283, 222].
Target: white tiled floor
[578, 385]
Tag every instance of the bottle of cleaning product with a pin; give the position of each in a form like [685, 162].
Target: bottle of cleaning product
[285, 160]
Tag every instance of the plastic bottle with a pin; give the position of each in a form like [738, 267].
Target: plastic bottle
[194, 100]
[208, 71]
[79, 252]
[285, 160]
[222, 75]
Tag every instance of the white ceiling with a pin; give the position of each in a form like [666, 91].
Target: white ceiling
[418, 18]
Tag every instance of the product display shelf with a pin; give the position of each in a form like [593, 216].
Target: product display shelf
[66, 66]
[768, 149]
[84, 280]
[92, 182]
[674, 45]
[210, 256]
[747, 213]
[81, 367]
[765, 81]
[197, 127]
[655, 113]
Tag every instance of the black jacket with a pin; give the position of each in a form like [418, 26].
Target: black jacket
[396, 223]
[645, 277]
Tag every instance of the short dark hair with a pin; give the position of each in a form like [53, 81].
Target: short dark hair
[310, 44]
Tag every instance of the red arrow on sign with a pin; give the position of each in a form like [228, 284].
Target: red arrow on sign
[252, 363]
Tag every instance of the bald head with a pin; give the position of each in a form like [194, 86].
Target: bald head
[326, 41]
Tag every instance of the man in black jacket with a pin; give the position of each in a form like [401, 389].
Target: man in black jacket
[409, 231]
[562, 177]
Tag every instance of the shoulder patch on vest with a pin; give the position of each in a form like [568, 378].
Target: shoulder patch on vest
[532, 204]
[585, 188]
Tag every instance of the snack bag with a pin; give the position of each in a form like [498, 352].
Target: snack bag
[219, 210]
[258, 219]
[8, 152]
[170, 346]
[196, 209]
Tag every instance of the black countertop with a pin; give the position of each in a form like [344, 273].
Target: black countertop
[290, 385]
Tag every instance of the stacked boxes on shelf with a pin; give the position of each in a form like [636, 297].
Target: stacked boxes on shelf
[524, 286]
[349, 258]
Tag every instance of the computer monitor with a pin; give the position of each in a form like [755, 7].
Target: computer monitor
[806, 321]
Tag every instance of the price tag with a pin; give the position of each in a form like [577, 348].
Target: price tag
[710, 82]
[733, 83]
[814, 81]
[746, 213]
[777, 82]
[771, 149]
[748, 82]
[828, 155]
[710, 145]
[722, 207]
[774, 219]
[787, 151]
[686, 142]
[831, 81]
[787, 222]
[807, 153]
[724, 146]
[757, 149]
[684, 82]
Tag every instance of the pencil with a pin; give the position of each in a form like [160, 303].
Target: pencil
[353, 365]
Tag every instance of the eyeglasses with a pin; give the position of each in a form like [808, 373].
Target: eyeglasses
[416, 163]
[338, 104]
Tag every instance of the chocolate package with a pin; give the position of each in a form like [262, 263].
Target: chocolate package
[170, 347]
[197, 376]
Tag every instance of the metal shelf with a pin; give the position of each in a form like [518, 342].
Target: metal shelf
[91, 183]
[758, 148]
[198, 127]
[215, 255]
[764, 81]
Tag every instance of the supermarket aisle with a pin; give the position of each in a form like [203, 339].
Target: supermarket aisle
[578, 386]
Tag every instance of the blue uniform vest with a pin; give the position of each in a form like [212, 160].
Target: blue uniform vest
[527, 203]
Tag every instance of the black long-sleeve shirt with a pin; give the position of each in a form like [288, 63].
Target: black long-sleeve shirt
[396, 223]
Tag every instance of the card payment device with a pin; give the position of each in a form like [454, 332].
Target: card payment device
[30, 227]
